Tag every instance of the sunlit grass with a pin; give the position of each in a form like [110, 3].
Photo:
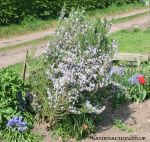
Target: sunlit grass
[133, 41]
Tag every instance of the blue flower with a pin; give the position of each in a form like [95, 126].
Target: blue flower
[134, 79]
[18, 123]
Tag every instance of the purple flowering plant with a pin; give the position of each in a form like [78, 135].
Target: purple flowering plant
[77, 62]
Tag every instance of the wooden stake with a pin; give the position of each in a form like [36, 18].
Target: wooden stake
[25, 66]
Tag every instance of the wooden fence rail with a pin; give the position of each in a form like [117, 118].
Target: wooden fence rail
[131, 57]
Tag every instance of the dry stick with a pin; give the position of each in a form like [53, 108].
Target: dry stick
[25, 66]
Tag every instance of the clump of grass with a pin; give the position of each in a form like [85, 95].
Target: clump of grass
[32, 64]
[122, 126]
[75, 126]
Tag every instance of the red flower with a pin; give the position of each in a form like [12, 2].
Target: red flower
[141, 79]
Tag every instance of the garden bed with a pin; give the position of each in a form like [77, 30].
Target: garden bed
[134, 116]
[77, 91]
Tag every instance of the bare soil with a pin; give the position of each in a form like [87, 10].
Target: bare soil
[135, 116]
[11, 57]
[131, 23]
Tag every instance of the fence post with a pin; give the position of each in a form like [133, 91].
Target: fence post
[25, 66]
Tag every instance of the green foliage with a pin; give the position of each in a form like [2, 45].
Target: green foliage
[14, 11]
[75, 126]
[133, 91]
[15, 102]
[118, 100]
[13, 98]
[9, 135]
[129, 40]
[39, 82]
[122, 126]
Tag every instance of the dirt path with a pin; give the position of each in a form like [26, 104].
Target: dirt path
[135, 22]
[28, 37]
[25, 38]
[127, 14]
[14, 56]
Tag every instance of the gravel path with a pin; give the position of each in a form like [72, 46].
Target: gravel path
[14, 56]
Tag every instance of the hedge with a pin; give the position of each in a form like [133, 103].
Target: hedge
[14, 11]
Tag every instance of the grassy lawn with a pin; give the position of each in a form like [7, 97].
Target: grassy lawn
[32, 24]
[134, 41]
[27, 26]
[114, 10]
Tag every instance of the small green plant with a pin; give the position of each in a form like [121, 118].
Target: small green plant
[118, 100]
[75, 126]
[139, 84]
[122, 126]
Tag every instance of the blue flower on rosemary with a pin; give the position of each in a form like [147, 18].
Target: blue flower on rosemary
[117, 70]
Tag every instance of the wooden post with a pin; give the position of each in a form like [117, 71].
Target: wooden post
[25, 66]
